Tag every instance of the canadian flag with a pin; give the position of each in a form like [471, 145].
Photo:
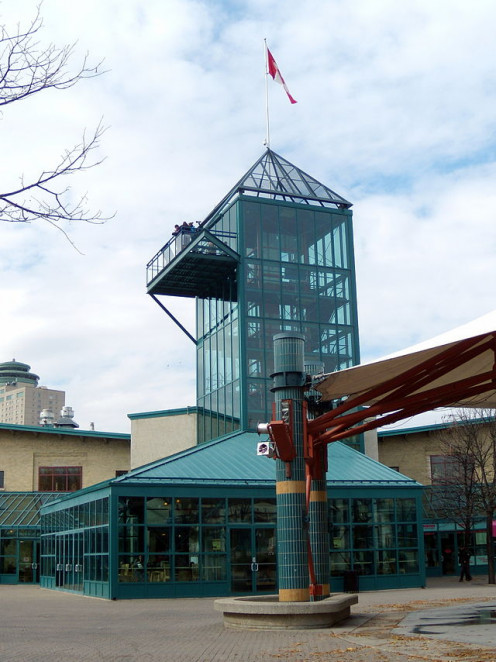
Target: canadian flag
[275, 72]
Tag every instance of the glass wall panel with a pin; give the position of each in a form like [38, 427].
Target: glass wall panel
[186, 510]
[406, 510]
[375, 542]
[158, 539]
[159, 510]
[264, 510]
[386, 562]
[131, 509]
[213, 539]
[239, 510]
[213, 511]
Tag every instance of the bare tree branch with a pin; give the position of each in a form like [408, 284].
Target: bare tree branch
[470, 488]
[27, 68]
[47, 196]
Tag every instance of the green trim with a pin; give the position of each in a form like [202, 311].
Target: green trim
[434, 427]
[163, 412]
[124, 436]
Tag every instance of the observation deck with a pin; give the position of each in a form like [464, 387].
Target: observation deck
[192, 264]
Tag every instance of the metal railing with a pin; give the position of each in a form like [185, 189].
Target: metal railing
[178, 243]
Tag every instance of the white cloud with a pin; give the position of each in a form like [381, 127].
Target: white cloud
[395, 112]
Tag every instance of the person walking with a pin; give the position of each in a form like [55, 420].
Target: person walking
[464, 560]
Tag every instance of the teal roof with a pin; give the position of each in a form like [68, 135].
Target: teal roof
[164, 412]
[233, 460]
[40, 429]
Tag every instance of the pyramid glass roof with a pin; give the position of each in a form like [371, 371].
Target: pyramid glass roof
[274, 177]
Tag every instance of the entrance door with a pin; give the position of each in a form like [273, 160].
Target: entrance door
[253, 560]
[28, 562]
[69, 554]
[448, 553]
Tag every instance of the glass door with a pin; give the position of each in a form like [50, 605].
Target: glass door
[28, 562]
[69, 555]
[253, 560]
[265, 553]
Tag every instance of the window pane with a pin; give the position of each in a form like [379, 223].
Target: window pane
[214, 568]
[407, 535]
[408, 561]
[339, 510]
[186, 539]
[385, 535]
[362, 510]
[186, 510]
[385, 510]
[264, 510]
[406, 510]
[158, 539]
[363, 562]
[213, 539]
[186, 568]
[340, 537]
[362, 537]
[158, 510]
[59, 479]
[131, 539]
[340, 562]
[158, 569]
[131, 509]
[213, 511]
[239, 510]
[386, 562]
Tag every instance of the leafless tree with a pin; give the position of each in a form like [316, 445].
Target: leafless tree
[470, 440]
[26, 68]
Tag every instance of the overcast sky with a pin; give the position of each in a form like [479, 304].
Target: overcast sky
[396, 112]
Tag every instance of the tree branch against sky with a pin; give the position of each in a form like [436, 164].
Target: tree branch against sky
[28, 67]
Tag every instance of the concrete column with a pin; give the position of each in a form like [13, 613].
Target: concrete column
[292, 558]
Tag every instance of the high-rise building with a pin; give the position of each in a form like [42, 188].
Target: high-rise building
[276, 254]
[21, 399]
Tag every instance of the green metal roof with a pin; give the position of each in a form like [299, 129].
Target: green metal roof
[164, 412]
[23, 508]
[233, 460]
[39, 429]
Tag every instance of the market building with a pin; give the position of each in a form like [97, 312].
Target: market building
[275, 255]
[203, 523]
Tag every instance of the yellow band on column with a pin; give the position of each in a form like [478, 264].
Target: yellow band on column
[290, 487]
[318, 496]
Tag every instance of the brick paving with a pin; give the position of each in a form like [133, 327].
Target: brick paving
[37, 625]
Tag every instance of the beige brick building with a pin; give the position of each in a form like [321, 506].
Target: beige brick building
[158, 434]
[59, 460]
[412, 451]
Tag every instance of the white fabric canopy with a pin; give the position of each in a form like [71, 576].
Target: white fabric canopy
[480, 334]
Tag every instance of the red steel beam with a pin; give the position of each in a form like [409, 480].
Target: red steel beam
[409, 380]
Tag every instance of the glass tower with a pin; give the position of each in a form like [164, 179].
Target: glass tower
[275, 255]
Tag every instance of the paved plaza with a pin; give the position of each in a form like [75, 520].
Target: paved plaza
[38, 625]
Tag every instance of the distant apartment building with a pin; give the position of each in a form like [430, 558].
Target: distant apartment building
[21, 399]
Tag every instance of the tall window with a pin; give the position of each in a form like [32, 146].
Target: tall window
[1, 479]
[445, 469]
[60, 479]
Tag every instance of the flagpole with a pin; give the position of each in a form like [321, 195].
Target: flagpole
[267, 125]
